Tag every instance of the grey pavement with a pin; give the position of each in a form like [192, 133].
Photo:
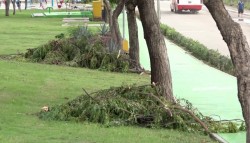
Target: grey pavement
[234, 9]
[201, 27]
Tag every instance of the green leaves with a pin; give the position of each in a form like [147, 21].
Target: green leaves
[135, 105]
[82, 49]
[104, 29]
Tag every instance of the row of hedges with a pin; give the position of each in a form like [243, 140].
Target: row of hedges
[198, 50]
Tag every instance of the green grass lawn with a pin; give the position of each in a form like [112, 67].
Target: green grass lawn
[26, 87]
[23, 32]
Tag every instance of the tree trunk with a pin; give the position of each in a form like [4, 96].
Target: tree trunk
[7, 7]
[239, 52]
[14, 6]
[133, 36]
[116, 34]
[160, 68]
[26, 4]
[109, 12]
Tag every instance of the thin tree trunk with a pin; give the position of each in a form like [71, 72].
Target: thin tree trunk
[160, 68]
[14, 6]
[115, 32]
[109, 12]
[239, 52]
[133, 35]
[26, 4]
[7, 7]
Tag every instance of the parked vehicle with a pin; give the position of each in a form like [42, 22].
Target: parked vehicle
[192, 5]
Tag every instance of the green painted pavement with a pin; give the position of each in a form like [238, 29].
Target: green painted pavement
[213, 92]
[234, 137]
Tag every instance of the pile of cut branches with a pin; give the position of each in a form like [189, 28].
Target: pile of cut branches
[81, 49]
[137, 105]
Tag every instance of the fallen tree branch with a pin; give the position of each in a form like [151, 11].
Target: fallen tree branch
[90, 96]
[184, 110]
[195, 117]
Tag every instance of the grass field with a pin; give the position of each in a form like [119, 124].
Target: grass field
[23, 32]
[26, 87]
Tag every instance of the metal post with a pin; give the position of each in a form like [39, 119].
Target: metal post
[158, 10]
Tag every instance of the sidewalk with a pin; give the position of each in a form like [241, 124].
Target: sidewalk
[234, 9]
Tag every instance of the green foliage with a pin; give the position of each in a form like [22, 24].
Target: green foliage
[104, 29]
[57, 58]
[81, 31]
[80, 50]
[234, 3]
[60, 36]
[40, 53]
[112, 45]
[227, 127]
[26, 87]
[198, 50]
[135, 105]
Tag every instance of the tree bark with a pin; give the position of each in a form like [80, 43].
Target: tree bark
[109, 12]
[133, 35]
[115, 32]
[7, 7]
[14, 6]
[239, 51]
[160, 68]
[26, 4]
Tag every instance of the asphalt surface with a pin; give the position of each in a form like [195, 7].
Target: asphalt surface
[201, 26]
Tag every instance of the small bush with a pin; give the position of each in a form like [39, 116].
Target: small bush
[104, 29]
[81, 31]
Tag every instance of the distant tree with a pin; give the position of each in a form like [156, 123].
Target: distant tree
[115, 32]
[132, 26]
[239, 51]
[26, 4]
[160, 68]
[7, 7]
[133, 35]
[14, 6]
[108, 11]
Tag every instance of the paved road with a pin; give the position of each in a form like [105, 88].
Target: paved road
[201, 26]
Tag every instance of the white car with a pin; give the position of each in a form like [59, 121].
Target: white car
[192, 5]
